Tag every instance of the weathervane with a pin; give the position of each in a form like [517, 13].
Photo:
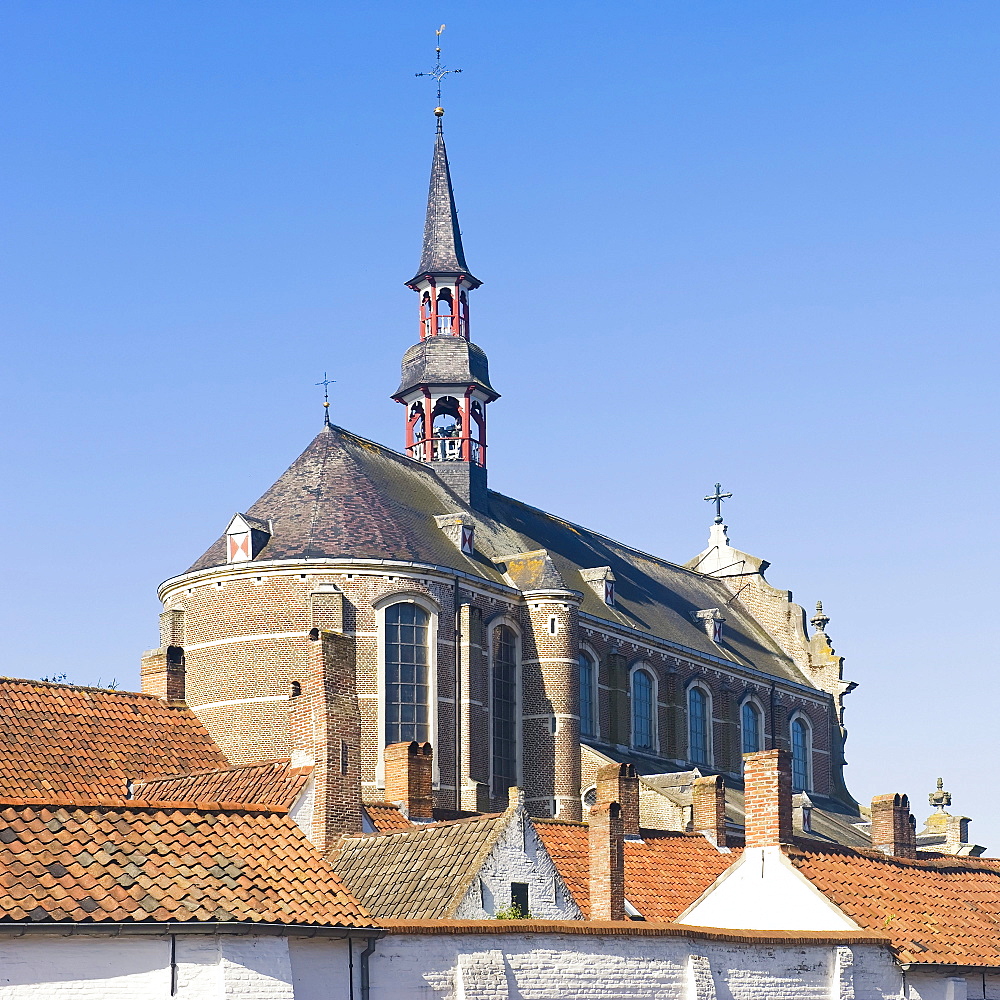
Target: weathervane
[326, 383]
[438, 73]
[717, 497]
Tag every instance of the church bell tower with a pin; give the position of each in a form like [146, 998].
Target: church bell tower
[445, 384]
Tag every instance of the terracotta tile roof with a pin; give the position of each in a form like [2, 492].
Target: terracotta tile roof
[274, 783]
[944, 910]
[664, 872]
[423, 871]
[84, 860]
[385, 816]
[61, 739]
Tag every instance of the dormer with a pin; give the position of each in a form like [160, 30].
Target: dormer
[711, 621]
[460, 530]
[602, 581]
[246, 537]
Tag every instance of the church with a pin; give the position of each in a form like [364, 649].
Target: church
[527, 650]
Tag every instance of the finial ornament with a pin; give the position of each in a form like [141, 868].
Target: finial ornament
[940, 799]
[819, 621]
[438, 73]
[717, 498]
[326, 383]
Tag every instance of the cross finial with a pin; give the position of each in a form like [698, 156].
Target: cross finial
[326, 383]
[437, 74]
[717, 497]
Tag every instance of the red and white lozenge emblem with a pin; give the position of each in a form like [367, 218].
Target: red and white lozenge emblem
[239, 546]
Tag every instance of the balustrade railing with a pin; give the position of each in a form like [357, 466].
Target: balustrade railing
[448, 449]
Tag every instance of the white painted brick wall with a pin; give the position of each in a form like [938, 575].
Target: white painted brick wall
[519, 856]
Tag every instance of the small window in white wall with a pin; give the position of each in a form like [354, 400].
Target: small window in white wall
[801, 754]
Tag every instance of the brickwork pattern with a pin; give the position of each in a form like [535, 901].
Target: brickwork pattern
[767, 780]
[606, 839]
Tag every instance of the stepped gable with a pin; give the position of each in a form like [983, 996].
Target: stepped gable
[664, 872]
[274, 783]
[651, 594]
[345, 497]
[419, 873]
[940, 911]
[67, 740]
[94, 862]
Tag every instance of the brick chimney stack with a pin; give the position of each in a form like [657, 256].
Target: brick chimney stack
[893, 828]
[607, 862]
[409, 778]
[325, 727]
[619, 783]
[162, 673]
[708, 808]
[767, 778]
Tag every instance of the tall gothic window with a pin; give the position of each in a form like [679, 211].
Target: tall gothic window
[801, 754]
[698, 726]
[751, 726]
[588, 726]
[406, 674]
[504, 707]
[642, 710]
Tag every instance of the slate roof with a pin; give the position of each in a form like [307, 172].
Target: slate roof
[943, 911]
[63, 739]
[346, 497]
[274, 783]
[445, 361]
[421, 872]
[442, 252]
[664, 873]
[89, 861]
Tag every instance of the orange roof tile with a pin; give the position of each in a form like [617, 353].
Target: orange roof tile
[940, 911]
[664, 872]
[61, 739]
[385, 816]
[275, 783]
[90, 862]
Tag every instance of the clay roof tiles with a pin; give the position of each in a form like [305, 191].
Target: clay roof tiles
[90, 861]
[944, 910]
[275, 783]
[421, 872]
[385, 816]
[664, 872]
[67, 740]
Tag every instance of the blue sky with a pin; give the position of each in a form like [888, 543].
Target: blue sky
[754, 243]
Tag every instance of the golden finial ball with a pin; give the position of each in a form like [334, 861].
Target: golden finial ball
[327, 405]
[439, 112]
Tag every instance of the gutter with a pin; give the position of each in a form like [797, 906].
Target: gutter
[111, 929]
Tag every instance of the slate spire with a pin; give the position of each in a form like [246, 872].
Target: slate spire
[442, 254]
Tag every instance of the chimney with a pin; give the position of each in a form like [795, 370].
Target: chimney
[708, 808]
[607, 862]
[893, 830]
[325, 728]
[619, 783]
[162, 673]
[409, 779]
[767, 780]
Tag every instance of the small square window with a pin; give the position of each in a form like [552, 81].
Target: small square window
[519, 898]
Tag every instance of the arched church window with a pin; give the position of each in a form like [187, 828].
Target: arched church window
[504, 707]
[801, 754]
[407, 681]
[699, 748]
[752, 730]
[444, 312]
[643, 707]
[587, 675]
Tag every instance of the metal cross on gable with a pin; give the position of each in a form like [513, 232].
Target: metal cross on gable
[438, 73]
[717, 498]
[326, 383]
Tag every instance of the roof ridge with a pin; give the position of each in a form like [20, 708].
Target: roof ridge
[35, 682]
[479, 860]
[137, 805]
[214, 770]
[414, 827]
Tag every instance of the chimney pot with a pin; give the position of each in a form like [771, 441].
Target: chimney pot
[767, 778]
[409, 769]
[619, 783]
[893, 831]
